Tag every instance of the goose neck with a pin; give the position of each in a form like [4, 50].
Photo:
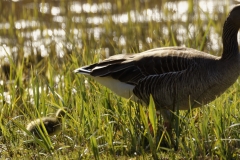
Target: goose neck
[229, 38]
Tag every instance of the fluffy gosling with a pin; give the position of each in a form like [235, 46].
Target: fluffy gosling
[53, 125]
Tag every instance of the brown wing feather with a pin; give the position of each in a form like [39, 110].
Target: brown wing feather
[131, 68]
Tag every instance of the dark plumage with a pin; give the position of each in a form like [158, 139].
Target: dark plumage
[176, 77]
[53, 125]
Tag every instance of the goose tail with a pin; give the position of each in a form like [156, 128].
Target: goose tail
[82, 70]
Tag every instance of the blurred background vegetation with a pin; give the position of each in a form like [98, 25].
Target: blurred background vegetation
[43, 41]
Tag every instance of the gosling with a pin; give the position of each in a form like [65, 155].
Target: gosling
[53, 125]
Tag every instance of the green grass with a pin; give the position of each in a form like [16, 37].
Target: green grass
[100, 124]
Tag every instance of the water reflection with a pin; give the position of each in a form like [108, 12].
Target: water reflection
[39, 33]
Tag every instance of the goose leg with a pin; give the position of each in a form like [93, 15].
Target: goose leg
[167, 118]
[171, 120]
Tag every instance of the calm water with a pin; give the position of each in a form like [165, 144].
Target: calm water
[36, 38]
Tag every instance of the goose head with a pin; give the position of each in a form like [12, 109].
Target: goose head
[61, 113]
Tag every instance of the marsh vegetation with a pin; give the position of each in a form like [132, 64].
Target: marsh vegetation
[42, 42]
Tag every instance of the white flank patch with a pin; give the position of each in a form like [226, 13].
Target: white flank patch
[120, 88]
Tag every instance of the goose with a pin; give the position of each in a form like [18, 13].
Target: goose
[176, 77]
[53, 125]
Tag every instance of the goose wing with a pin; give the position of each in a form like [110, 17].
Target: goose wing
[131, 68]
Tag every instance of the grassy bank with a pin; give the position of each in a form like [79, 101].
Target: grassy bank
[100, 124]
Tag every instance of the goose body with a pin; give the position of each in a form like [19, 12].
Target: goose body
[174, 76]
[53, 125]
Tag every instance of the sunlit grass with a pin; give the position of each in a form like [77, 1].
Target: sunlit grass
[100, 124]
